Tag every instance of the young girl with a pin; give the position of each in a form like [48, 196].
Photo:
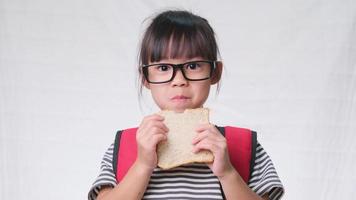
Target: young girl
[178, 64]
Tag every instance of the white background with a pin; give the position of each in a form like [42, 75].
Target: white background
[68, 82]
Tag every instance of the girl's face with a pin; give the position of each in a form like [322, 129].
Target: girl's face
[180, 94]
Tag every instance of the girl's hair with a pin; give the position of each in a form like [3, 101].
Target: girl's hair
[177, 34]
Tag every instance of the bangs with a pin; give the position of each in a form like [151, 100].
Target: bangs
[173, 38]
[180, 44]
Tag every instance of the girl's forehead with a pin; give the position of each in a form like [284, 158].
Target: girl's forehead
[174, 55]
[179, 60]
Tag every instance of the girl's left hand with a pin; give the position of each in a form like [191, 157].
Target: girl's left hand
[209, 138]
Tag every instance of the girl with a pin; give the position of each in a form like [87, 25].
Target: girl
[178, 64]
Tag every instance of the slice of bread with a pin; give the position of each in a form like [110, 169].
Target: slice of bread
[177, 149]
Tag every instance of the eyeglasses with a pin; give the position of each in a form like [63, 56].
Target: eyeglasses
[165, 72]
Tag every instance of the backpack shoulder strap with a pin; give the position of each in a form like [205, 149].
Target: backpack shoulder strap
[241, 145]
[125, 152]
[116, 149]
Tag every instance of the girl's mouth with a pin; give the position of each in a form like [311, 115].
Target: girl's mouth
[179, 97]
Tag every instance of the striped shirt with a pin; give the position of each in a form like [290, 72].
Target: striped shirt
[193, 181]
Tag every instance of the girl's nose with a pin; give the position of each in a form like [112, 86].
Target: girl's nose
[179, 79]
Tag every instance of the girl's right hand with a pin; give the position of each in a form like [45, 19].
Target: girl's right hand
[151, 131]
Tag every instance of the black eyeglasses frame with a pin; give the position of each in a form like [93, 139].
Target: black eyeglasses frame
[176, 67]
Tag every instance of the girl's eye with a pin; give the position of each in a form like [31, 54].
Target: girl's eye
[163, 68]
[192, 66]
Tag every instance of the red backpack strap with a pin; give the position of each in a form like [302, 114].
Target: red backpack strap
[125, 152]
[241, 145]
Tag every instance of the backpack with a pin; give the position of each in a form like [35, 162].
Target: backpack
[241, 145]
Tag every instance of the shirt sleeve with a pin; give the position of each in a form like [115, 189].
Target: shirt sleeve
[106, 175]
[264, 178]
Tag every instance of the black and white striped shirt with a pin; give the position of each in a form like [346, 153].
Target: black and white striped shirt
[193, 181]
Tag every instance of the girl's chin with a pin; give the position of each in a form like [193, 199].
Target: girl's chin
[180, 109]
[177, 110]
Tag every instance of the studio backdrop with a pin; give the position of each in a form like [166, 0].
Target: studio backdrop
[68, 82]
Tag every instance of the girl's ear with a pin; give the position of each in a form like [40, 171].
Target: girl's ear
[146, 84]
[143, 79]
[217, 73]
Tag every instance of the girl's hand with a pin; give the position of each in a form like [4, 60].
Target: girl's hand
[209, 138]
[150, 132]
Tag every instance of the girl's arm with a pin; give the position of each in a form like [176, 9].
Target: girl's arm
[234, 187]
[133, 185]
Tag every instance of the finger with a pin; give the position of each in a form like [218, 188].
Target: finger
[158, 124]
[156, 130]
[146, 134]
[200, 136]
[150, 132]
[154, 117]
[202, 127]
[212, 132]
[149, 118]
[156, 127]
[155, 139]
[207, 144]
[152, 123]
[217, 142]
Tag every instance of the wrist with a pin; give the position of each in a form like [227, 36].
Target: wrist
[229, 174]
[143, 168]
